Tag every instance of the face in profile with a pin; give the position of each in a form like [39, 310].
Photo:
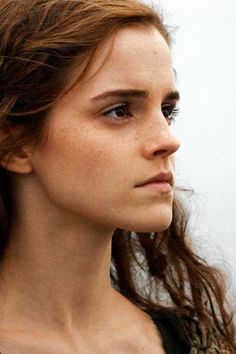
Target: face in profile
[111, 134]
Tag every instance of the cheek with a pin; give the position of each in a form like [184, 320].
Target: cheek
[73, 160]
[81, 163]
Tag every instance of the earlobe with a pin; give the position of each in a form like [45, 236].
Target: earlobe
[18, 162]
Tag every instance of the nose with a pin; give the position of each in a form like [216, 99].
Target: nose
[159, 139]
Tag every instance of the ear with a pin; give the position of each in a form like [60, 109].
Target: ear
[18, 161]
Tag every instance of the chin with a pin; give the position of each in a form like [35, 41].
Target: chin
[155, 227]
[151, 223]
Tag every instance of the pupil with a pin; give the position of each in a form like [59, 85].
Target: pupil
[166, 112]
[120, 112]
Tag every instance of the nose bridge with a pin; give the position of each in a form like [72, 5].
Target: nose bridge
[159, 138]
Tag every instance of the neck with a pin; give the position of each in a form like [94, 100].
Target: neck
[60, 274]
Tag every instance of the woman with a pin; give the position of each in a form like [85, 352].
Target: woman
[94, 252]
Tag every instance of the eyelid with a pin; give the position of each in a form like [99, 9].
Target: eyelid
[126, 106]
[114, 106]
[175, 106]
[171, 103]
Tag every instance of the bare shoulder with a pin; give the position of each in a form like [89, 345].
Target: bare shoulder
[9, 345]
[14, 344]
[137, 332]
[142, 337]
[128, 330]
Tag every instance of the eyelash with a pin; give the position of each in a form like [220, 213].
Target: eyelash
[173, 112]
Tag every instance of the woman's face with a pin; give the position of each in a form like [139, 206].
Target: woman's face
[111, 134]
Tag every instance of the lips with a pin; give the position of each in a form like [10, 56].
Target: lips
[163, 177]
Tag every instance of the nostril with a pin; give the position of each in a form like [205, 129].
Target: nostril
[159, 152]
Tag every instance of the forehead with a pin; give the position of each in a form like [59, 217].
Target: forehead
[132, 57]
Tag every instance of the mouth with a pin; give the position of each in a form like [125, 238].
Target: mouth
[164, 180]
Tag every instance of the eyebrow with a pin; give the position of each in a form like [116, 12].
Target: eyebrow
[172, 95]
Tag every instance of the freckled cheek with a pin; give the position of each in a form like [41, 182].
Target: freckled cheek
[88, 156]
[94, 165]
[87, 159]
[105, 169]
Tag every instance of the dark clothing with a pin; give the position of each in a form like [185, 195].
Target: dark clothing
[172, 333]
[185, 335]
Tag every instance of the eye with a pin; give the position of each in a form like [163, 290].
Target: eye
[169, 112]
[120, 112]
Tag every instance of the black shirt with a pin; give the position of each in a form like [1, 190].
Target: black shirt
[172, 333]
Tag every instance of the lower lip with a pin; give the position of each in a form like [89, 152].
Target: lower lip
[162, 187]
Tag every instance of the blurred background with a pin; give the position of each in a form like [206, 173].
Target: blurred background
[204, 55]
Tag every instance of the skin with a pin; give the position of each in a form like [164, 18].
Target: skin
[74, 191]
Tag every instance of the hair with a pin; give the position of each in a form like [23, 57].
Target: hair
[39, 42]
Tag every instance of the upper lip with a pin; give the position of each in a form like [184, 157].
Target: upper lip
[161, 177]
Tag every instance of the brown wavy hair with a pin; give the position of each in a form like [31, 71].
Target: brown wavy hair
[39, 42]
